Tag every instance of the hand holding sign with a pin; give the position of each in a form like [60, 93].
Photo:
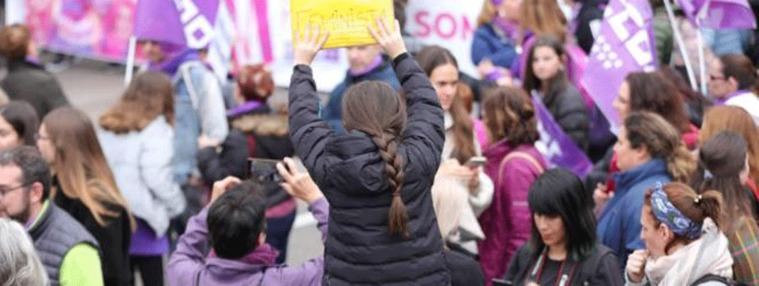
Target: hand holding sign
[390, 40]
[308, 43]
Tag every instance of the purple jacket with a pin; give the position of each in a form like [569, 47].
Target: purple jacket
[507, 222]
[189, 265]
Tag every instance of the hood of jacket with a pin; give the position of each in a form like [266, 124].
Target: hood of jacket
[358, 165]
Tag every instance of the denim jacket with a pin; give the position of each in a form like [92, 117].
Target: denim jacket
[199, 109]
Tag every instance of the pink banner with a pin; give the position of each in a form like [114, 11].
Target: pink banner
[90, 28]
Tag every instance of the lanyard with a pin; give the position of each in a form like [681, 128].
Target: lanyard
[562, 279]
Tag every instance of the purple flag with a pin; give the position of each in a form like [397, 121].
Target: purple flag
[182, 22]
[556, 146]
[719, 14]
[625, 44]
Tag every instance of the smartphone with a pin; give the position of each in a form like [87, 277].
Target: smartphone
[264, 170]
[477, 161]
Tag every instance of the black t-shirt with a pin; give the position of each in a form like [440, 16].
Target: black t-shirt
[550, 274]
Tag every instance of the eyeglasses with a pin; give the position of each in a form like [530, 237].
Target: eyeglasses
[5, 191]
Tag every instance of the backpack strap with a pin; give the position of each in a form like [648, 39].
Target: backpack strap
[713, 278]
[184, 70]
[521, 155]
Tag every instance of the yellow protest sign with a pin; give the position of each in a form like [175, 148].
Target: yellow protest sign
[346, 20]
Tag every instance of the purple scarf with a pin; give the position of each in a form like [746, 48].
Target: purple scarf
[244, 108]
[175, 56]
[359, 72]
[722, 101]
[263, 255]
[508, 28]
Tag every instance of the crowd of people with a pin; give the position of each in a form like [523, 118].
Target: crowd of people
[416, 172]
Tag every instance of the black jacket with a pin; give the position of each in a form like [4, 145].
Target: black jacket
[350, 172]
[31, 83]
[114, 238]
[464, 270]
[600, 268]
[590, 11]
[570, 112]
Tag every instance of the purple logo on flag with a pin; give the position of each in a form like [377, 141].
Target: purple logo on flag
[625, 44]
[556, 146]
[181, 22]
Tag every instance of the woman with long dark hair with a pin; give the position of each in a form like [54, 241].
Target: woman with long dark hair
[723, 166]
[18, 124]
[461, 144]
[546, 75]
[563, 245]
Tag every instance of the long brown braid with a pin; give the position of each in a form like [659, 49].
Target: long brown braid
[376, 109]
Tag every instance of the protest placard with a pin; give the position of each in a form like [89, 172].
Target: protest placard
[345, 20]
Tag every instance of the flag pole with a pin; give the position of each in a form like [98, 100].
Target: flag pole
[701, 61]
[681, 45]
[130, 60]
[701, 57]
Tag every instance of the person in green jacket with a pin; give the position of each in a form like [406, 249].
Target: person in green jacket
[68, 252]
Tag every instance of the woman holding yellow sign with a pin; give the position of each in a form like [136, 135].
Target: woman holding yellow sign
[377, 177]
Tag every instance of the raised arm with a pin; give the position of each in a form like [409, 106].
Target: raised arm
[424, 135]
[308, 132]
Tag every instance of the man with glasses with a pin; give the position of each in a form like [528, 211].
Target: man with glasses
[733, 81]
[68, 252]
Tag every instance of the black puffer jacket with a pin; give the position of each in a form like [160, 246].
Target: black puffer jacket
[350, 172]
[570, 112]
[599, 268]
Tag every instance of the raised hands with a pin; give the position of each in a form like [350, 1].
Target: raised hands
[390, 40]
[308, 44]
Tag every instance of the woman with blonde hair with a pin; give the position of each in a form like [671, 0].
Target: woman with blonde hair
[84, 186]
[494, 47]
[137, 139]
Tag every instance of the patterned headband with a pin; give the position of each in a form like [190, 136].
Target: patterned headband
[666, 213]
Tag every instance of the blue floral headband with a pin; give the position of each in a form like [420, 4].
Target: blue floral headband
[666, 213]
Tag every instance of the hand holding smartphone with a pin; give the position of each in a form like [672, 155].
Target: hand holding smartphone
[476, 161]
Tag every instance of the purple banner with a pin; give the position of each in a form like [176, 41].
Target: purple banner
[625, 44]
[556, 146]
[719, 14]
[183, 22]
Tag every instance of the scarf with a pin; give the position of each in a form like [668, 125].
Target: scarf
[706, 255]
[175, 56]
[264, 255]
